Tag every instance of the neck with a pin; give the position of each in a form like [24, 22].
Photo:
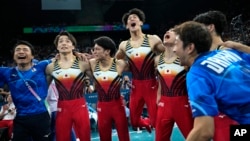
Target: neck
[136, 35]
[106, 62]
[169, 52]
[66, 57]
[24, 67]
[191, 60]
[216, 42]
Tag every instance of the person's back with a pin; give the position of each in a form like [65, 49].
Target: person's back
[227, 75]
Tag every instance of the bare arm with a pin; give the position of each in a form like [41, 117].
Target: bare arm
[237, 46]
[49, 70]
[156, 60]
[121, 66]
[203, 129]
[85, 67]
[156, 44]
[120, 54]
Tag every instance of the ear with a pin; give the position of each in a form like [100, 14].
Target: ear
[126, 26]
[141, 23]
[191, 48]
[108, 51]
[211, 27]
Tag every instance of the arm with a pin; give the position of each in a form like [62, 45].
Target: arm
[203, 103]
[121, 65]
[49, 70]
[120, 54]
[203, 129]
[156, 44]
[158, 93]
[86, 67]
[236, 45]
[156, 60]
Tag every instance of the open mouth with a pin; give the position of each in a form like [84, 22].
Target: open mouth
[167, 36]
[133, 24]
[21, 57]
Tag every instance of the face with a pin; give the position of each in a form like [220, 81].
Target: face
[23, 55]
[169, 38]
[180, 51]
[133, 22]
[65, 45]
[99, 52]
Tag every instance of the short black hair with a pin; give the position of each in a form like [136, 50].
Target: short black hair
[107, 43]
[23, 42]
[196, 33]
[213, 17]
[135, 11]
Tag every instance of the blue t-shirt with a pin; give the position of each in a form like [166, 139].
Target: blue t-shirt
[219, 81]
[25, 102]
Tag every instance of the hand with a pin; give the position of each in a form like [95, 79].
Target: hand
[83, 56]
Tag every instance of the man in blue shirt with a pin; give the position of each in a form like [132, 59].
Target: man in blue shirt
[216, 22]
[217, 80]
[28, 86]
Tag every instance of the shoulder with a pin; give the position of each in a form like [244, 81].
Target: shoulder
[3, 69]
[154, 37]
[120, 61]
[123, 44]
[43, 63]
[156, 43]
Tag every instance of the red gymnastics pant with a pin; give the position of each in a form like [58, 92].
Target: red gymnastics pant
[173, 110]
[109, 113]
[72, 113]
[9, 124]
[222, 127]
[143, 91]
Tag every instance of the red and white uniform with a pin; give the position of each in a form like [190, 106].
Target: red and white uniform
[173, 106]
[72, 109]
[109, 106]
[141, 62]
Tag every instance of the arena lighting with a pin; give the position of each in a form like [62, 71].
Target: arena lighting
[92, 28]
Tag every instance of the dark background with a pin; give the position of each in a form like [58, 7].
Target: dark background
[160, 15]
